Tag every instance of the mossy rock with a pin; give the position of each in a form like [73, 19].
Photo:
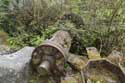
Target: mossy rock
[104, 71]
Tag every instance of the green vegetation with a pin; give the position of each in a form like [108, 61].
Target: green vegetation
[31, 22]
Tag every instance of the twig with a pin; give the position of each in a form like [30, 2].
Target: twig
[82, 76]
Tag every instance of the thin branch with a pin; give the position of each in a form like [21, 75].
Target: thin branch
[118, 5]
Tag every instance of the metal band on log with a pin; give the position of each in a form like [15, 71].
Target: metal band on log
[51, 55]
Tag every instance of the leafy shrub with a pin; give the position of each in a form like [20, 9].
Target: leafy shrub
[34, 22]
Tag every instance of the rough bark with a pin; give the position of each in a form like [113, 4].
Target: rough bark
[52, 55]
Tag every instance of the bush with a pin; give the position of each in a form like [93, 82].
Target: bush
[34, 22]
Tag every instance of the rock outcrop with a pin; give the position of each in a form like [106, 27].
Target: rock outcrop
[14, 67]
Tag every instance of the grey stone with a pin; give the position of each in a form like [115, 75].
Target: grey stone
[14, 67]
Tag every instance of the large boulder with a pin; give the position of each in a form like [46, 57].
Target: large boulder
[14, 67]
[104, 71]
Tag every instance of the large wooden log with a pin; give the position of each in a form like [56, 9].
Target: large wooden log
[52, 54]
